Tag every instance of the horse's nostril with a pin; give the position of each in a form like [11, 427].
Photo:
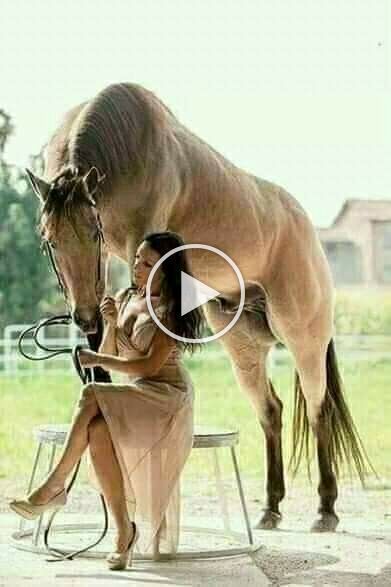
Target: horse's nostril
[76, 318]
[86, 324]
[91, 325]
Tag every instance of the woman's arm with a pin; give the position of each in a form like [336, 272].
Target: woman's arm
[109, 310]
[109, 345]
[144, 366]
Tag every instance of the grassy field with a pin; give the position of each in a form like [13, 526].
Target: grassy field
[29, 400]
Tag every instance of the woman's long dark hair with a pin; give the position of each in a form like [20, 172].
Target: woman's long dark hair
[190, 325]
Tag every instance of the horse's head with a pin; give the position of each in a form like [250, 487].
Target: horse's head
[70, 224]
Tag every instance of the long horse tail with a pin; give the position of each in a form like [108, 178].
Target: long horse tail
[345, 444]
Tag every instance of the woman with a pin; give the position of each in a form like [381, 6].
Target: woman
[140, 433]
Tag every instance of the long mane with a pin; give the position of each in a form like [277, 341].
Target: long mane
[122, 130]
[127, 130]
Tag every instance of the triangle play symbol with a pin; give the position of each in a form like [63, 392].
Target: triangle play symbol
[194, 293]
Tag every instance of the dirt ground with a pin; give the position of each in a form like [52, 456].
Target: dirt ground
[359, 553]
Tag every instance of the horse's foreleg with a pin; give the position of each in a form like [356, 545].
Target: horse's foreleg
[248, 344]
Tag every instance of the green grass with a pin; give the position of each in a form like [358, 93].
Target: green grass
[35, 399]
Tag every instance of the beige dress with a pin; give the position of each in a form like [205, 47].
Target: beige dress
[151, 425]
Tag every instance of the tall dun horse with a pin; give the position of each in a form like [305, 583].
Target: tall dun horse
[125, 159]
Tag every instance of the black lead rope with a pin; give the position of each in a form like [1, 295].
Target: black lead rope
[63, 319]
[85, 375]
[60, 555]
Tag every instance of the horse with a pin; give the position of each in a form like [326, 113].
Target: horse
[123, 164]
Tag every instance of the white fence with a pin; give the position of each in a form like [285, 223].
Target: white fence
[56, 337]
[349, 347]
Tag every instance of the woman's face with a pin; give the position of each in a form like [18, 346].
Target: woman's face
[145, 259]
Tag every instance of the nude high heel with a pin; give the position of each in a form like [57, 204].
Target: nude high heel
[30, 511]
[117, 561]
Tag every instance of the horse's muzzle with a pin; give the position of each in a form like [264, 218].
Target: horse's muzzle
[87, 324]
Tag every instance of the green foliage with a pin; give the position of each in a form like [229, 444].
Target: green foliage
[27, 288]
[363, 313]
[26, 285]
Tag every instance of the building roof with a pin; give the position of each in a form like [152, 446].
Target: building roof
[358, 202]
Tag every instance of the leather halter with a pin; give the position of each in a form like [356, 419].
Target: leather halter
[59, 275]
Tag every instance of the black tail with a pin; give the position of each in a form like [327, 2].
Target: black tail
[345, 443]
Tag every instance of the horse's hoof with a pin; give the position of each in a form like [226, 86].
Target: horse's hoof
[325, 523]
[269, 521]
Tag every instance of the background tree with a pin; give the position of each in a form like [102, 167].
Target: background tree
[27, 288]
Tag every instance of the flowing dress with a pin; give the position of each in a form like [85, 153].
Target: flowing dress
[150, 420]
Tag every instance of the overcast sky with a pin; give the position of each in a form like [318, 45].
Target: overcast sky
[295, 91]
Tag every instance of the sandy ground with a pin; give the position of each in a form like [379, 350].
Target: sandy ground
[359, 553]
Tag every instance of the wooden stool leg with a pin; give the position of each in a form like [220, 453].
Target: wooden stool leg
[31, 480]
[221, 492]
[38, 524]
[241, 495]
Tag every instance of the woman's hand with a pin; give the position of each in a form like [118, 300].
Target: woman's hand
[109, 310]
[88, 358]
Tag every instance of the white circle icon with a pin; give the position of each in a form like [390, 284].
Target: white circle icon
[204, 294]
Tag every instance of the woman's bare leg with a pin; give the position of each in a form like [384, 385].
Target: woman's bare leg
[75, 444]
[110, 479]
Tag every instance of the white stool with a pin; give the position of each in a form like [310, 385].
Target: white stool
[54, 435]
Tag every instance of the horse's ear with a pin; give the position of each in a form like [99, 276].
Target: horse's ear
[91, 181]
[40, 187]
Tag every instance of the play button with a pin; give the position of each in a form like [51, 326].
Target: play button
[194, 293]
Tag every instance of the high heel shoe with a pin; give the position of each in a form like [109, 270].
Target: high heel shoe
[30, 511]
[117, 561]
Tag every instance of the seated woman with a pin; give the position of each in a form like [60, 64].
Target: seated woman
[139, 433]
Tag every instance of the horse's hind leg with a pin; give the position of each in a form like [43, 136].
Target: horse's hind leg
[248, 344]
[312, 383]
